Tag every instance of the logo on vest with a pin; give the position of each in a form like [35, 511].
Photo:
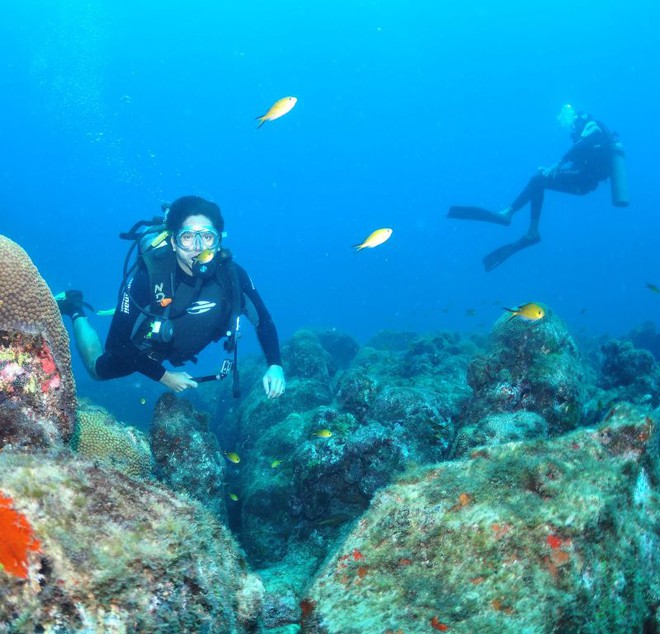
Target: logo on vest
[198, 308]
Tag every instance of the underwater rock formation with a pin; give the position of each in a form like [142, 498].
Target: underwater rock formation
[311, 359]
[530, 366]
[37, 391]
[536, 536]
[646, 336]
[629, 373]
[103, 552]
[339, 345]
[187, 455]
[306, 475]
[494, 429]
[306, 358]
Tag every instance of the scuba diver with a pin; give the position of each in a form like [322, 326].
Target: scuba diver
[595, 155]
[184, 292]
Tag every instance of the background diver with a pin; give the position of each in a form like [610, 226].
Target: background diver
[185, 292]
[594, 156]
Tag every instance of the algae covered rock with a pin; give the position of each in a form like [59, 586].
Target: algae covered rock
[332, 454]
[187, 455]
[538, 536]
[296, 483]
[341, 346]
[115, 554]
[495, 429]
[530, 366]
[306, 358]
[631, 373]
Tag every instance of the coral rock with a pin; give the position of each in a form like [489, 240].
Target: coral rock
[99, 437]
[36, 381]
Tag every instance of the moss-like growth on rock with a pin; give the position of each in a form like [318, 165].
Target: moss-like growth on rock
[117, 554]
[537, 536]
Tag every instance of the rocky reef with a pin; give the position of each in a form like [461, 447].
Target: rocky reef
[314, 459]
[418, 483]
[406, 401]
[520, 537]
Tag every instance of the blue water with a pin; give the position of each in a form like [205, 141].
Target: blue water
[404, 108]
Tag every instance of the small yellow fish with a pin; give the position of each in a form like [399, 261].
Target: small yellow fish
[278, 109]
[143, 401]
[652, 287]
[276, 463]
[529, 312]
[233, 497]
[377, 237]
[232, 456]
[205, 256]
[323, 433]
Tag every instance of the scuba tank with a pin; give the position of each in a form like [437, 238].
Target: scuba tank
[618, 175]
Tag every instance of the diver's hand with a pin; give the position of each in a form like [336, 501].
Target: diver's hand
[177, 381]
[274, 382]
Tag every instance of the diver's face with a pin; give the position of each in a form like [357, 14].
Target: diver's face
[200, 228]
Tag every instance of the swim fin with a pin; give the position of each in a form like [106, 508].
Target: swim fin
[477, 213]
[497, 257]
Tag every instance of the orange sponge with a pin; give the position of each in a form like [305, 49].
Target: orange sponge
[16, 540]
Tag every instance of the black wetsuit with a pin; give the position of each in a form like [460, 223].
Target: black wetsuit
[580, 170]
[202, 320]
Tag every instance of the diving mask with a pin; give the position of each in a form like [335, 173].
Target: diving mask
[198, 238]
[567, 116]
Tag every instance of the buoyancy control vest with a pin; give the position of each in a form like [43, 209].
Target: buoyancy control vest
[183, 315]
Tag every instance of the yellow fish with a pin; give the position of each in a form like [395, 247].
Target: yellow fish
[278, 109]
[377, 237]
[323, 433]
[652, 287]
[234, 497]
[143, 401]
[529, 312]
[276, 463]
[232, 456]
[205, 256]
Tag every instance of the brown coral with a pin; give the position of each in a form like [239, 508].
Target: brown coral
[98, 436]
[37, 346]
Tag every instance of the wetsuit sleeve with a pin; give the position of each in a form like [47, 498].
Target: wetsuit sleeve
[255, 310]
[122, 356]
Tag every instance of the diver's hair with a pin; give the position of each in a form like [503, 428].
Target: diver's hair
[186, 206]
